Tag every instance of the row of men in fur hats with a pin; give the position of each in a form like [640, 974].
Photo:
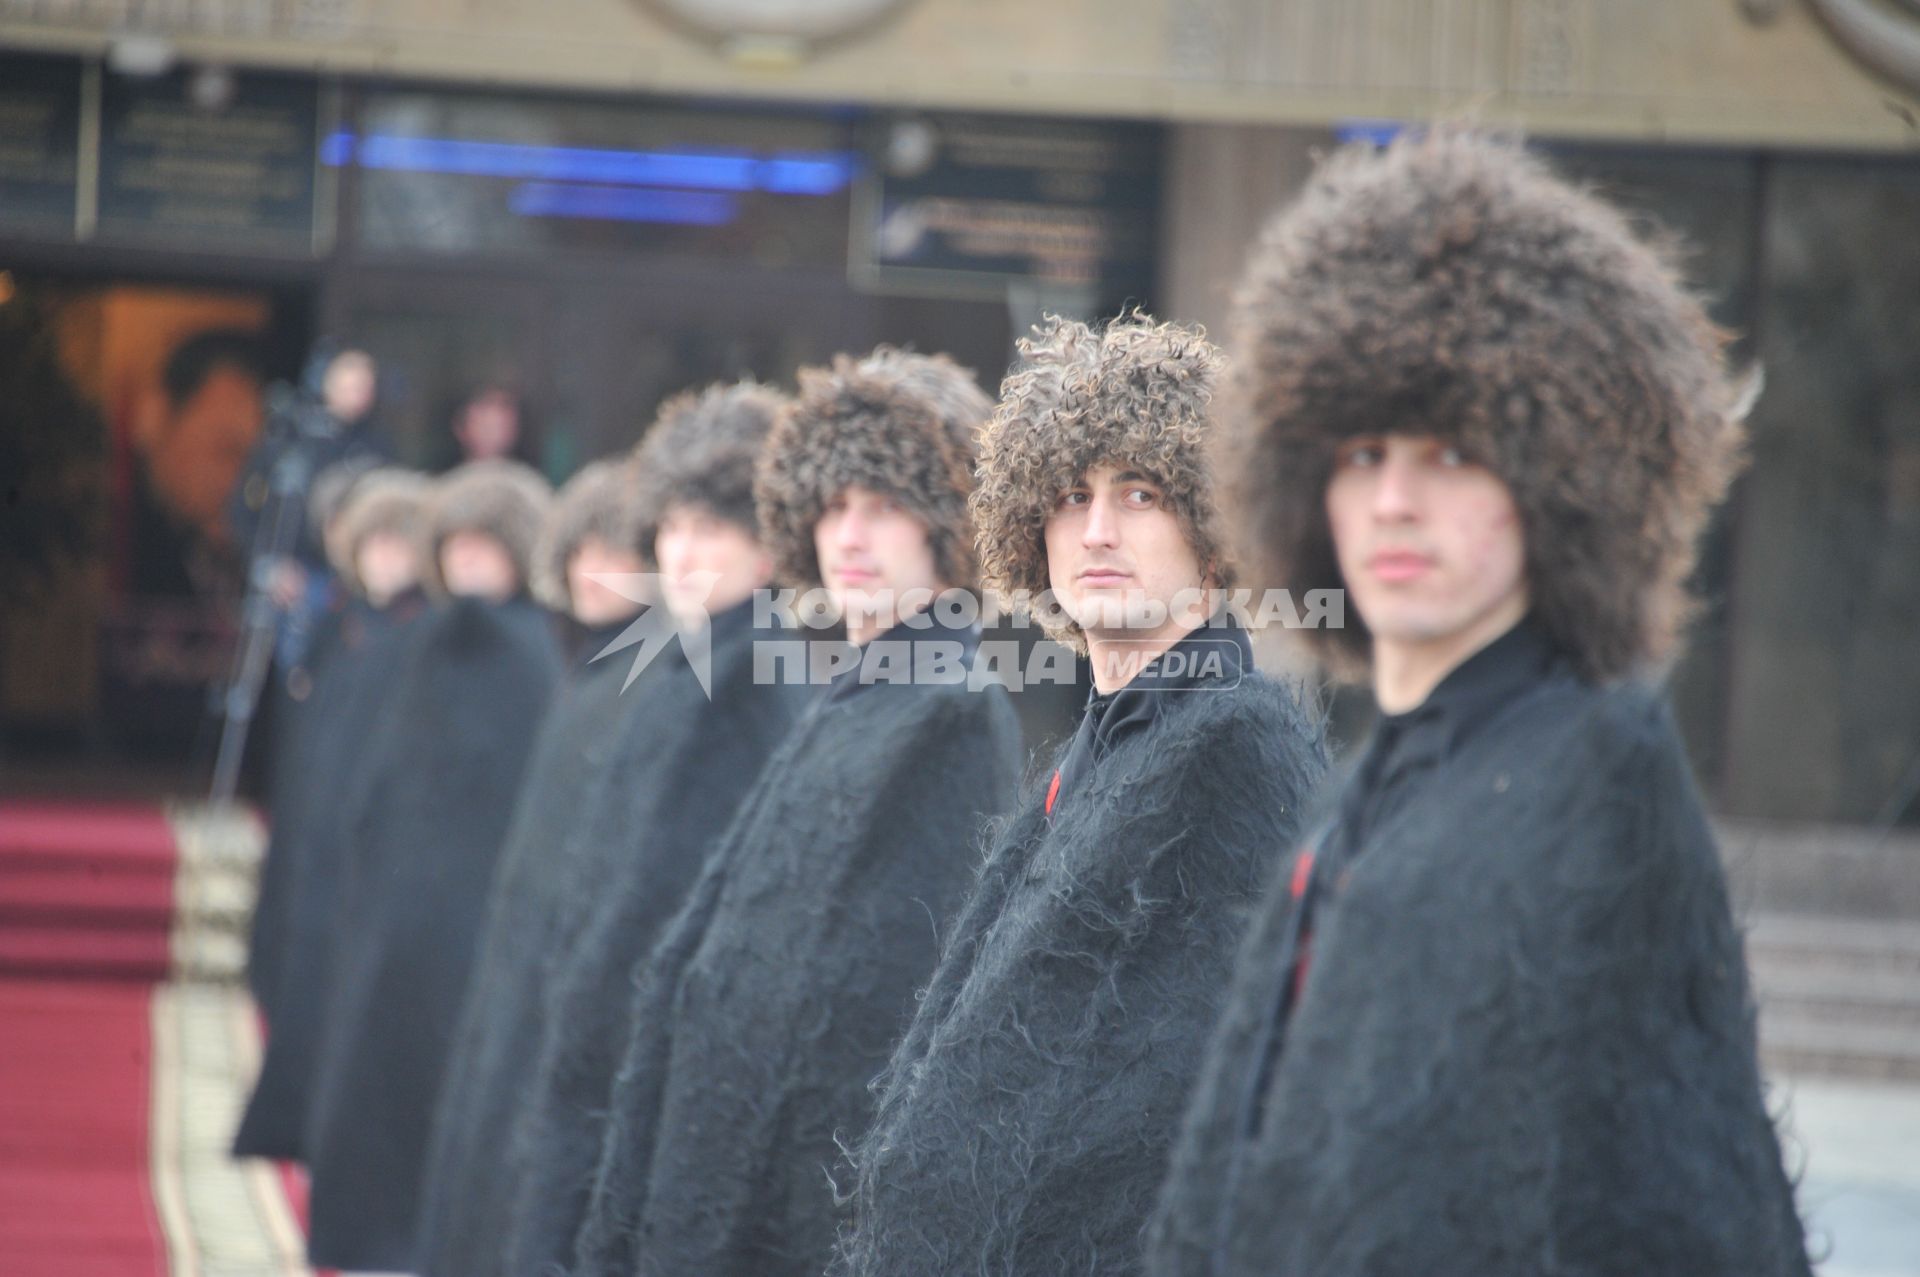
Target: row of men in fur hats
[720, 974]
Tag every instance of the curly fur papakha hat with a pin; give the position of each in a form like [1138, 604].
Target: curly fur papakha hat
[1136, 395]
[386, 500]
[702, 450]
[1453, 286]
[328, 493]
[892, 423]
[600, 502]
[952, 391]
[504, 499]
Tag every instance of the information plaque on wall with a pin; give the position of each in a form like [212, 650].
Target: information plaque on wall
[969, 205]
[234, 168]
[39, 143]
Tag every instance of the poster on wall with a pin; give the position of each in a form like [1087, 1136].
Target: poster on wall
[226, 158]
[39, 143]
[968, 205]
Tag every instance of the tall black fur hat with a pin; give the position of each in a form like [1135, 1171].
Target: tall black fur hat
[1136, 394]
[600, 501]
[1454, 286]
[894, 422]
[504, 499]
[385, 500]
[701, 450]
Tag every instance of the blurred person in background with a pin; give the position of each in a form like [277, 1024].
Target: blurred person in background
[375, 543]
[698, 736]
[427, 823]
[772, 999]
[594, 529]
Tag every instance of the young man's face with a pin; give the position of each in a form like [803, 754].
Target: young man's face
[1430, 544]
[349, 385]
[707, 563]
[1119, 559]
[593, 602]
[387, 563]
[872, 551]
[475, 565]
[489, 426]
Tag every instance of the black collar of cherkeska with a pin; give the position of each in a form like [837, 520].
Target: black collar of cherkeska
[922, 627]
[591, 641]
[1473, 692]
[1214, 656]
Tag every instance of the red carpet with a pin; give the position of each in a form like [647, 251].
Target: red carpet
[86, 891]
[126, 1048]
[74, 1082]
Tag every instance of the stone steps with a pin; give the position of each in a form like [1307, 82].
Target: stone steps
[1838, 996]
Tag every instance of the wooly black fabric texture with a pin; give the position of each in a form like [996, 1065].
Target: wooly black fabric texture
[1024, 1122]
[291, 790]
[780, 989]
[467, 1189]
[578, 866]
[653, 822]
[1524, 1044]
[426, 830]
[293, 934]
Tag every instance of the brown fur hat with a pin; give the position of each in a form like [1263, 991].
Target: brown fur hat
[1138, 395]
[701, 450]
[328, 494]
[601, 501]
[379, 501]
[894, 423]
[504, 499]
[1454, 286]
[952, 390]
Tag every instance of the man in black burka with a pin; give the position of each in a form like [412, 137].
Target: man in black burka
[1023, 1124]
[780, 988]
[705, 725]
[374, 546]
[425, 827]
[1495, 1018]
[586, 566]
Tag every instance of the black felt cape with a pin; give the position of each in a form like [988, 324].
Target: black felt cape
[649, 829]
[426, 830]
[467, 1189]
[292, 788]
[1024, 1122]
[1524, 1044]
[778, 992]
[293, 930]
[297, 793]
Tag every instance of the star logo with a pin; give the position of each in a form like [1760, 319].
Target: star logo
[656, 628]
